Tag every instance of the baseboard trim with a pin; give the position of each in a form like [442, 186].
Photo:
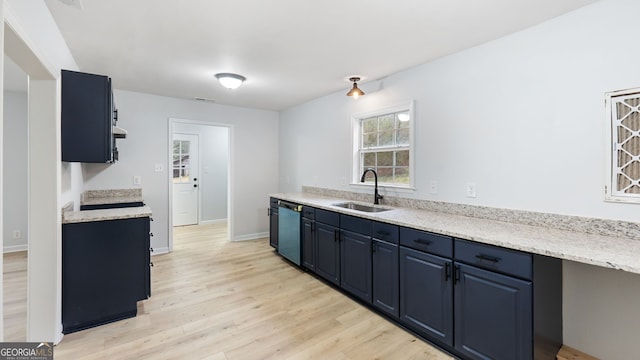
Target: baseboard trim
[211, 222]
[251, 236]
[15, 248]
[160, 251]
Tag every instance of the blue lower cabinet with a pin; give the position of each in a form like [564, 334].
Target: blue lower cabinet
[273, 227]
[493, 315]
[474, 300]
[426, 294]
[385, 277]
[309, 244]
[327, 252]
[355, 265]
[105, 271]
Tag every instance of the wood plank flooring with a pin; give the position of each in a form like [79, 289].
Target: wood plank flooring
[213, 299]
[15, 296]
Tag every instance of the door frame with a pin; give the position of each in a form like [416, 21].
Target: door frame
[230, 167]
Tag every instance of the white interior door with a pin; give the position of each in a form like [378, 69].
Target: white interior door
[185, 179]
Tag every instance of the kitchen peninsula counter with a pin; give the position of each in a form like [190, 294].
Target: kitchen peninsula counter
[616, 251]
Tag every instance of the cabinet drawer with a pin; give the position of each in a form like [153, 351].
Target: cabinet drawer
[328, 217]
[355, 224]
[426, 241]
[385, 232]
[273, 202]
[494, 258]
[308, 212]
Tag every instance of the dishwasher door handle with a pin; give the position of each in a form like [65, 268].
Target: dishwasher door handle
[290, 206]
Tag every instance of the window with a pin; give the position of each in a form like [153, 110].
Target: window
[623, 165]
[181, 161]
[383, 141]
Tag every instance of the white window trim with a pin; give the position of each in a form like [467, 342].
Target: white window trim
[355, 145]
[611, 195]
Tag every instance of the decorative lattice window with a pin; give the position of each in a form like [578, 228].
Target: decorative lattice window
[623, 116]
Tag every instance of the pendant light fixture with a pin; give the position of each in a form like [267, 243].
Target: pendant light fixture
[229, 80]
[355, 92]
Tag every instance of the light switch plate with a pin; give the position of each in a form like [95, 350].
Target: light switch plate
[433, 187]
[158, 168]
[471, 189]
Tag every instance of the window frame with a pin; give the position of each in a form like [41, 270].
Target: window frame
[612, 194]
[356, 136]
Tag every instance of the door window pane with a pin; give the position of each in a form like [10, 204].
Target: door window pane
[181, 161]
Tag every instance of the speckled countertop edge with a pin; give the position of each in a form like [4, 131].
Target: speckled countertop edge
[71, 217]
[615, 252]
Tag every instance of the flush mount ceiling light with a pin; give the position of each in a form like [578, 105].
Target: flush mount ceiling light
[230, 81]
[355, 92]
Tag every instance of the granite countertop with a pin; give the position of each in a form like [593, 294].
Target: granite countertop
[70, 217]
[111, 196]
[615, 252]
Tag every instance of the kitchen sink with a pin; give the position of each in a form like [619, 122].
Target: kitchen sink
[361, 207]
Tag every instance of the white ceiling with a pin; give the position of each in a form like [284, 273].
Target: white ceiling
[291, 51]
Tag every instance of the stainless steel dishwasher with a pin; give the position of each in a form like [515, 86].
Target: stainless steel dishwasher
[289, 231]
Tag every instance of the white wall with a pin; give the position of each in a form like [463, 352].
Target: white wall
[214, 161]
[523, 117]
[14, 201]
[37, 46]
[254, 158]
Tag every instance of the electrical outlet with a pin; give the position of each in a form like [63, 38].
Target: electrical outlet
[433, 187]
[17, 234]
[136, 180]
[471, 189]
[158, 168]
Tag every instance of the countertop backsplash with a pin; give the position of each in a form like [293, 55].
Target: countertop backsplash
[111, 196]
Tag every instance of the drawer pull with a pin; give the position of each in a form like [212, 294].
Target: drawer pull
[456, 274]
[423, 241]
[488, 258]
[383, 232]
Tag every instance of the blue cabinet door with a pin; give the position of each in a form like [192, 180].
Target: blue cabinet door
[426, 294]
[273, 227]
[86, 118]
[105, 271]
[493, 315]
[327, 252]
[385, 277]
[309, 244]
[355, 254]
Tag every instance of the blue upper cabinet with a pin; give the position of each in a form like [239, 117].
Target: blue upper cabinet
[88, 117]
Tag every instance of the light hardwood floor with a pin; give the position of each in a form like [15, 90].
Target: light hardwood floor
[213, 299]
[15, 296]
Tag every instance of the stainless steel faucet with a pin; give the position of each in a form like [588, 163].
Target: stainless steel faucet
[376, 196]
